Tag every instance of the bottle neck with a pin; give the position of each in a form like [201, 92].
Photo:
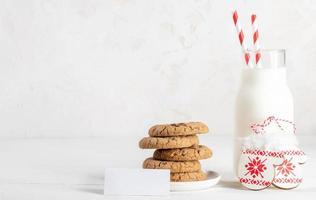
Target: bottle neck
[265, 76]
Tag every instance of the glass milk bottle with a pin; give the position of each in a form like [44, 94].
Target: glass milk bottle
[263, 92]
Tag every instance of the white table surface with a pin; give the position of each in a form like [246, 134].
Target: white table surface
[73, 169]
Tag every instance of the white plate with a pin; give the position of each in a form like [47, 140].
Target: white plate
[212, 179]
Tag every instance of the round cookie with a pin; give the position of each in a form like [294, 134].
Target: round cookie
[168, 142]
[197, 152]
[186, 166]
[188, 176]
[178, 129]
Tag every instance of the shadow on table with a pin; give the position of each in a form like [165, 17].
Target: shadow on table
[228, 181]
[94, 185]
[231, 184]
[96, 189]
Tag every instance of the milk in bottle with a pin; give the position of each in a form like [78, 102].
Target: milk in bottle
[263, 92]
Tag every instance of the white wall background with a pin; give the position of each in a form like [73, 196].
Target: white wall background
[99, 67]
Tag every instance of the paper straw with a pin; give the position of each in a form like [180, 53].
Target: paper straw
[241, 39]
[256, 41]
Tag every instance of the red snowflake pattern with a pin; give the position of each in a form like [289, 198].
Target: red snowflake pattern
[255, 167]
[286, 168]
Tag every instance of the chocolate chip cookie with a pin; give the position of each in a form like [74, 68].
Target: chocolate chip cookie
[188, 176]
[197, 152]
[185, 166]
[178, 129]
[168, 142]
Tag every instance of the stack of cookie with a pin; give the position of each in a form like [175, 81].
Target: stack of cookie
[177, 148]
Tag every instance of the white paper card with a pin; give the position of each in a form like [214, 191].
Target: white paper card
[126, 181]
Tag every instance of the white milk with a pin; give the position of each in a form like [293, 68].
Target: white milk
[263, 92]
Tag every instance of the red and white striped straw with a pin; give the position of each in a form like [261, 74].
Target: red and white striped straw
[241, 38]
[256, 41]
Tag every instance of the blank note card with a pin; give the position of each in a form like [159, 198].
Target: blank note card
[126, 181]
